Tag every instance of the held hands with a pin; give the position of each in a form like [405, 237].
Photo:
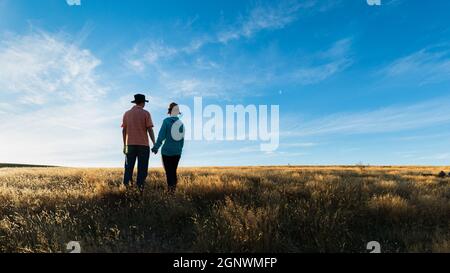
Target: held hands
[154, 150]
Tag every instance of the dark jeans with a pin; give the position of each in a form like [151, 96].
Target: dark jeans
[142, 154]
[170, 166]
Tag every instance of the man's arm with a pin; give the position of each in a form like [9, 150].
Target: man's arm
[124, 130]
[149, 124]
[152, 135]
[124, 136]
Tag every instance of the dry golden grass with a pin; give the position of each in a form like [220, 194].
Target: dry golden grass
[254, 209]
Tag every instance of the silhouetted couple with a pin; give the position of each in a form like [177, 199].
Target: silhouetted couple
[137, 127]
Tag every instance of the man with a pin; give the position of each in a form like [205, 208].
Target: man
[137, 123]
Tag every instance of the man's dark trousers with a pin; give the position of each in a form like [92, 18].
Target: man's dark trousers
[142, 154]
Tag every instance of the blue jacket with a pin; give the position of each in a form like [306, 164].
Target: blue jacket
[171, 146]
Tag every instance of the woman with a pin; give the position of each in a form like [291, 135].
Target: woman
[172, 134]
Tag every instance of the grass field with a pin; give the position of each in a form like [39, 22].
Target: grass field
[6, 165]
[255, 209]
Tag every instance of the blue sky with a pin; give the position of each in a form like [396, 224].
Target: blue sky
[355, 83]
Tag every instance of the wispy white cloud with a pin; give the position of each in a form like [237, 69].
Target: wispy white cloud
[430, 65]
[242, 75]
[73, 2]
[328, 63]
[192, 87]
[6, 108]
[393, 3]
[315, 74]
[149, 52]
[423, 137]
[72, 134]
[264, 18]
[50, 107]
[298, 145]
[40, 68]
[183, 69]
[384, 120]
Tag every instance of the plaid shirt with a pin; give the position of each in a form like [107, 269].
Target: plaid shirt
[136, 122]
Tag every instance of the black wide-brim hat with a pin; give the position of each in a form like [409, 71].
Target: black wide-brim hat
[138, 98]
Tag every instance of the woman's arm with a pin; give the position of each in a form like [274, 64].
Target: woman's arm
[182, 140]
[161, 137]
